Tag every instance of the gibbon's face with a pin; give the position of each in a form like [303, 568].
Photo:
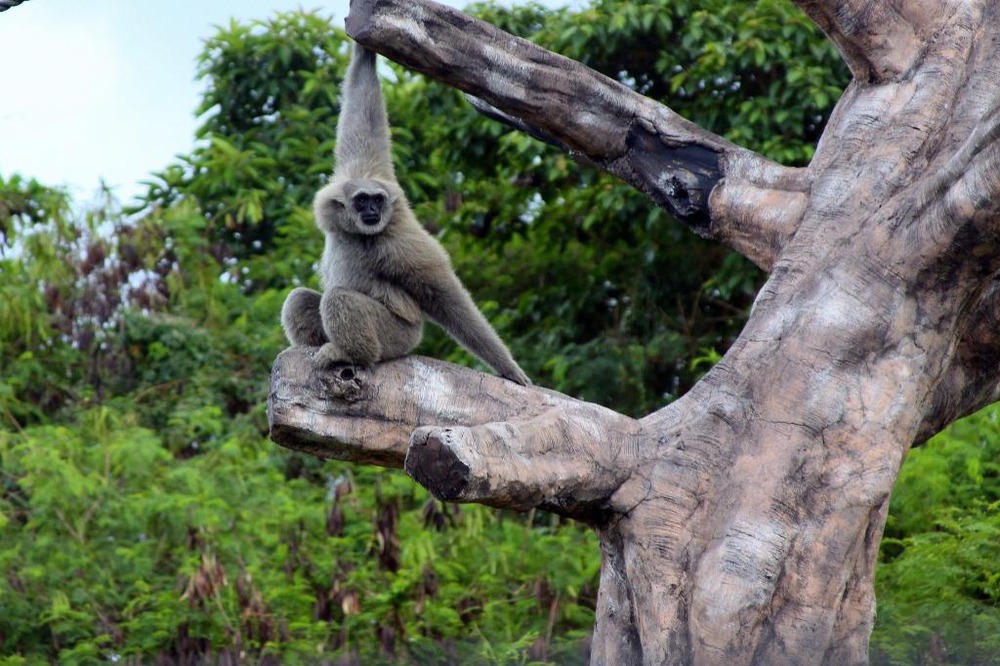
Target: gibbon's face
[368, 206]
[358, 206]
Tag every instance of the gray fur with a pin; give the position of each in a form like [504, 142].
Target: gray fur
[381, 272]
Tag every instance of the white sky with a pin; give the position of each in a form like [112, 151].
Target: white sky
[105, 88]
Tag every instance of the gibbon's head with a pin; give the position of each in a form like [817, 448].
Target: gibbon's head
[358, 206]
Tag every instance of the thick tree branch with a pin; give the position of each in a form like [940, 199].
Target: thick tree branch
[879, 40]
[973, 379]
[494, 113]
[673, 161]
[465, 435]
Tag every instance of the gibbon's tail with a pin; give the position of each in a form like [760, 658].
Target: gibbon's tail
[363, 142]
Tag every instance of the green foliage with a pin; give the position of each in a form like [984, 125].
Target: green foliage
[144, 514]
[266, 142]
[938, 583]
[114, 546]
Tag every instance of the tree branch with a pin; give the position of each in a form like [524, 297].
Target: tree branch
[673, 161]
[465, 435]
[494, 113]
[7, 4]
[973, 380]
[878, 40]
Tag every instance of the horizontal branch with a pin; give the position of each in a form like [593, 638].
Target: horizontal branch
[465, 435]
[672, 160]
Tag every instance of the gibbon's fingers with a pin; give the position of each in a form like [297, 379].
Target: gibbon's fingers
[517, 375]
[330, 354]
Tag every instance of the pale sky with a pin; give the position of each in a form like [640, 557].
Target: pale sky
[105, 88]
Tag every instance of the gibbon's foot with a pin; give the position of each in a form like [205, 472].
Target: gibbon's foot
[518, 377]
[330, 355]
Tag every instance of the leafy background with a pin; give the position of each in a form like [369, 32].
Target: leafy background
[146, 518]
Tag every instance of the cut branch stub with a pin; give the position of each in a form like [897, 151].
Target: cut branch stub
[465, 435]
[569, 459]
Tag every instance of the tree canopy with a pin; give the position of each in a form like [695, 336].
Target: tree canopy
[144, 513]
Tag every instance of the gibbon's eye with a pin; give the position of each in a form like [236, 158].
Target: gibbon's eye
[378, 199]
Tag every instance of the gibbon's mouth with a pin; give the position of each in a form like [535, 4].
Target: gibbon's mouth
[371, 220]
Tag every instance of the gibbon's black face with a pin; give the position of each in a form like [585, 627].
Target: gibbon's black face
[358, 206]
[368, 206]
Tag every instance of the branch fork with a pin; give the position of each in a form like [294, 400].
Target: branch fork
[465, 435]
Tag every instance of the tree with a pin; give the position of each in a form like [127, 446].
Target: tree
[7, 4]
[741, 522]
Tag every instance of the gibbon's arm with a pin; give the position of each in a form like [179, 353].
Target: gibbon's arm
[446, 301]
[363, 142]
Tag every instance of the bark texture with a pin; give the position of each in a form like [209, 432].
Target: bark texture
[741, 523]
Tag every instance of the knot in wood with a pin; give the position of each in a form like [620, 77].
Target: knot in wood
[342, 382]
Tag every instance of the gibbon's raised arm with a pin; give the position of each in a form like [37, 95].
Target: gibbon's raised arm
[446, 301]
[363, 143]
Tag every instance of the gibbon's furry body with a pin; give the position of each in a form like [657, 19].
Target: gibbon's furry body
[381, 271]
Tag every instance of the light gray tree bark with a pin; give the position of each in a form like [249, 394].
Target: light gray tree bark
[741, 523]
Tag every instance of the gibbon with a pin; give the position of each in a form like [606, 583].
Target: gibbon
[381, 271]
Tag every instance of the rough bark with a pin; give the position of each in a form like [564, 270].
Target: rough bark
[741, 523]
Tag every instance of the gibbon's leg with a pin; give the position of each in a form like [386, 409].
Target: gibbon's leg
[301, 319]
[362, 330]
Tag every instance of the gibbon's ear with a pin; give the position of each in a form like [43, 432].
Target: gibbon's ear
[393, 194]
[338, 199]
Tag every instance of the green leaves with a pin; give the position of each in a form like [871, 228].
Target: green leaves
[269, 120]
[938, 584]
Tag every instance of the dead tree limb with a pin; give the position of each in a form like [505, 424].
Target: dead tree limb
[675, 162]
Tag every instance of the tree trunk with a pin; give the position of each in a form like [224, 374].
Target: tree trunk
[741, 523]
